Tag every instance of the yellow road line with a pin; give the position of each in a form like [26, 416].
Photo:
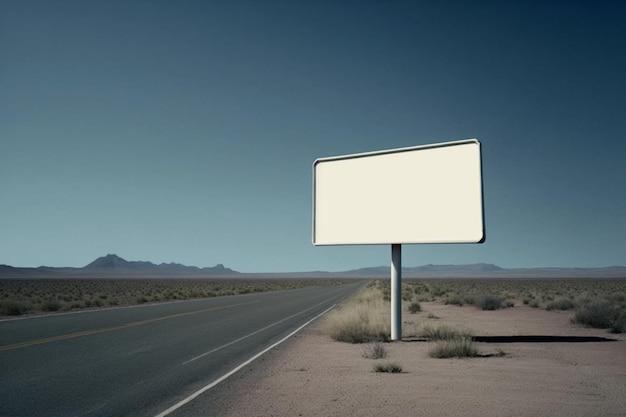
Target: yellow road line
[111, 329]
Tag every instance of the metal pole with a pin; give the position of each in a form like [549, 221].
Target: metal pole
[396, 292]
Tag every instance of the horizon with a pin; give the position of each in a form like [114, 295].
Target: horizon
[303, 271]
[187, 132]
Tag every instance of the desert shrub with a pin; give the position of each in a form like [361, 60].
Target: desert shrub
[534, 304]
[469, 298]
[458, 348]
[374, 351]
[407, 294]
[445, 333]
[437, 291]
[97, 302]
[489, 302]
[414, 307]
[424, 298]
[393, 368]
[602, 314]
[616, 298]
[618, 323]
[560, 304]
[419, 288]
[14, 308]
[50, 305]
[361, 320]
[454, 299]
[356, 325]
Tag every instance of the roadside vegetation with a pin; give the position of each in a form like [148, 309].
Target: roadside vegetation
[444, 333]
[599, 303]
[363, 319]
[604, 313]
[28, 296]
[450, 342]
[457, 348]
[596, 302]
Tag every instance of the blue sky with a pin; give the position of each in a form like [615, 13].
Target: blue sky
[185, 131]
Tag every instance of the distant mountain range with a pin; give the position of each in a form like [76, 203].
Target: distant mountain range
[491, 270]
[114, 262]
[114, 266]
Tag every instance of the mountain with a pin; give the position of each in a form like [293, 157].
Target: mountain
[483, 270]
[430, 269]
[112, 262]
[112, 265]
[109, 261]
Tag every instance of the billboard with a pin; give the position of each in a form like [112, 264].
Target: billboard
[422, 194]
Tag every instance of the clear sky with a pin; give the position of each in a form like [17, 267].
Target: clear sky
[185, 131]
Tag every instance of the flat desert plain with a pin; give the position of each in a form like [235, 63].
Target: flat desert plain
[312, 375]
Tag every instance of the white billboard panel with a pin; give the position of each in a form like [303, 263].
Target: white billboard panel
[423, 194]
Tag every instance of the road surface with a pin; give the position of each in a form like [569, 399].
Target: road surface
[143, 360]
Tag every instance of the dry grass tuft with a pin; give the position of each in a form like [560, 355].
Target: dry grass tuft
[459, 348]
[445, 333]
[450, 342]
[374, 350]
[362, 319]
[393, 368]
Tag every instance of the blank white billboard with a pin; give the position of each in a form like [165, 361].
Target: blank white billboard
[423, 194]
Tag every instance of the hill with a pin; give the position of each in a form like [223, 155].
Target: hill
[112, 265]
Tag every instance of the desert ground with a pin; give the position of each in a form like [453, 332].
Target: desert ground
[577, 371]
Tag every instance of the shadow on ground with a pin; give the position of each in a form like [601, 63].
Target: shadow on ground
[541, 339]
[527, 339]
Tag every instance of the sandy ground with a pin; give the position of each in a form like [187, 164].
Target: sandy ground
[312, 375]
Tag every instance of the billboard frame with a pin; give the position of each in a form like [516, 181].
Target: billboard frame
[479, 239]
[396, 247]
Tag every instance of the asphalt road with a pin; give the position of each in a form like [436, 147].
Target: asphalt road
[140, 361]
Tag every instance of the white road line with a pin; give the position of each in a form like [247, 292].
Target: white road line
[251, 334]
[238, 368]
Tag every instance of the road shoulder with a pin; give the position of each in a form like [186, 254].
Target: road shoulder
[311, 375]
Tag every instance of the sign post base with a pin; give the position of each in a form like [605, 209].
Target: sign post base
[396, 292]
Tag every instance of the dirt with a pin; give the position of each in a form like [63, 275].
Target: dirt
[564, 370]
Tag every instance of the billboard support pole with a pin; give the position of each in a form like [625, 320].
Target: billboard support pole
[396, 292]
